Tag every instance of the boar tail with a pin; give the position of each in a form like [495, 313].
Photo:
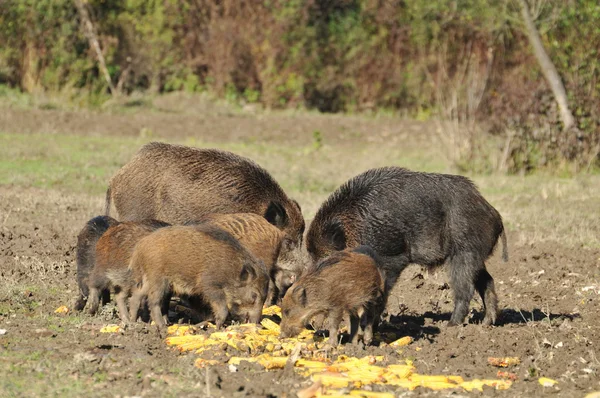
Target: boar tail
[504, 247]
[107, 202]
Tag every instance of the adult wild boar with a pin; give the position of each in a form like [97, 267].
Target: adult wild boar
[413, 217]
[178, 184]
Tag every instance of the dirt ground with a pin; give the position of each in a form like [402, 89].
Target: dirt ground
[549, 295]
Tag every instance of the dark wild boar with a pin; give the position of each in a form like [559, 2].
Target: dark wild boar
[421, 218]
[178, 184]
[274, 247]
[113, 253]
[86, 257]
[348, 282]
[199, 261]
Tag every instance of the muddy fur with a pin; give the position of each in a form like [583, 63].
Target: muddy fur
[178, 184]
[86, 257]
[281, 255]
[203, 261]
[348, 282]
[113, 252]
[421, 218]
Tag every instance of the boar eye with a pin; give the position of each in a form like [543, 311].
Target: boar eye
[286, 312]
[254, 298]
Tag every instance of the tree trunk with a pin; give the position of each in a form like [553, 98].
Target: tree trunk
[548, 68]
[88, 28]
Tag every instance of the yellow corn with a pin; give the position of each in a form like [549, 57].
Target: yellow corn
[546, 382]
[63, 309]
[401, 371]
[110, 329]
[330, 379]
[270, 325]
[272, 310]
[371, 394]
[404, 341]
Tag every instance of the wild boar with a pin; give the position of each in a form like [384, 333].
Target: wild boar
[199, 260]
[274, 247]
[86, 256]
[178, 184]
[412, 217]
[347, 282]
[113, 253]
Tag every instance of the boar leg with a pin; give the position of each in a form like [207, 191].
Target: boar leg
[80, 302]
[371, 317]
[94, 300]
[484, 283]
[134, 304]
[219, 309]
[353, 328]
[155, 297]
[334, 319]
[463, 269]
[121, 298]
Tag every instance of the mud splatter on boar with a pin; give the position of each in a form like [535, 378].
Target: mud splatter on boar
[421, 218]
[86, 257]
[199, 260]
[348, 282]
[179, 184]
[113, 253]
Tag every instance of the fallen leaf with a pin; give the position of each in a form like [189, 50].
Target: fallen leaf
[506, 375]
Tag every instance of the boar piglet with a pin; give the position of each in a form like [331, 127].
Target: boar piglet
[420, 218]
[177, 184]
[199, 261]
[278, 251]
[113, 253]
[86, 256]
[348, 282]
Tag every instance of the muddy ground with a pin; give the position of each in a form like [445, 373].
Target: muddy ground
[549, 294]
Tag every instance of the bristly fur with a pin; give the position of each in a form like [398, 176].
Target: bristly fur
[86, 256]
[200, 260]
[413, 217]
[179, 184]
[113, 252]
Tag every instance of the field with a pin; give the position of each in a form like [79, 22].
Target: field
[54, 167]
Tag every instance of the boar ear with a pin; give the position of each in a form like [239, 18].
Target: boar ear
[334, 233]
[294, 201]
[276, 214]
[247, 273]
[301, 298]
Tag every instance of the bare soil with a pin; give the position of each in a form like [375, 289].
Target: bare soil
[549, 295]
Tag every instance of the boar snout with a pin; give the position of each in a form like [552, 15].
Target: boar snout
[289, 330]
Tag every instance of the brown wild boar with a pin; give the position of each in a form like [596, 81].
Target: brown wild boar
[178, 184]
[268, 243]
[199, 260]
[348, 282]
[113, 252]
[86, 257]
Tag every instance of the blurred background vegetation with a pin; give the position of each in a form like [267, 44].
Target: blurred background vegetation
[464, 63]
